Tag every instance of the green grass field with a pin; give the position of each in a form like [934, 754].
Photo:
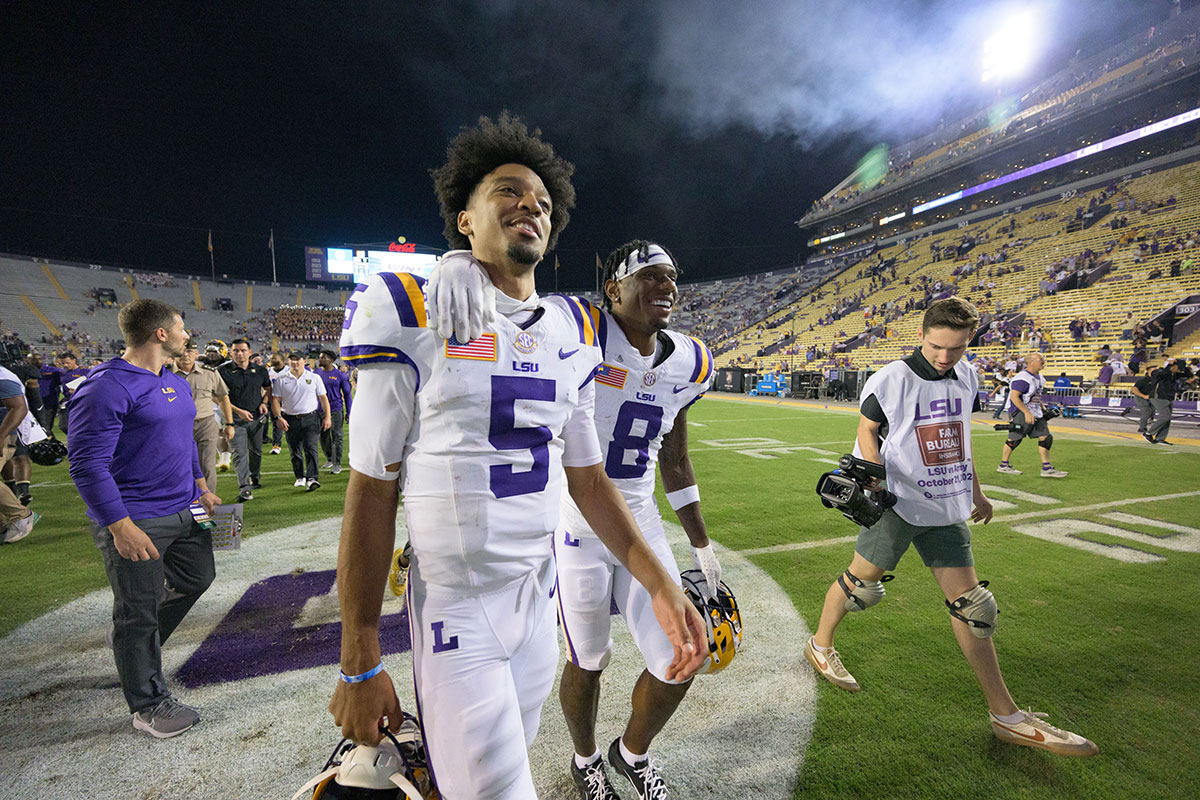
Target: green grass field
[1105, 645]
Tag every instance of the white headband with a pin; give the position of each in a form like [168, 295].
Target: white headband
[655, 256]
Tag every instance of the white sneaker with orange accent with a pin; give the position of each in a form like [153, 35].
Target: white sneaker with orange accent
[1034, 731]
[829, 665]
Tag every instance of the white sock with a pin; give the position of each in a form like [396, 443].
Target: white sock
[818, 647]
[1011, 719]
[631, 759]
[587, 761]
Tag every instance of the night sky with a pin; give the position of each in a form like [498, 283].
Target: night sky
[130, 131]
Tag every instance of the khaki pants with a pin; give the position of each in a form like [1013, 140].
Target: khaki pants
[206, 433]
[11, 509]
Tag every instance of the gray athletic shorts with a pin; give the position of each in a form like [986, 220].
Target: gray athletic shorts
[1040, 429]
[938, 545]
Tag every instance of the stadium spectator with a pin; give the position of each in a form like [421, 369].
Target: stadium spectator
[17, 520]
[337, 389]
[300, 406]
[250, 397]
[135, 464]
[928, 382]
[1062, 381]
[207, 389]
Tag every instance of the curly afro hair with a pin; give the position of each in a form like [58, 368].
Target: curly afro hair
[618, 257]
[475, 152]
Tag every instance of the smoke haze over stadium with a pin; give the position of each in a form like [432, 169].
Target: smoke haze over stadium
[130, 134]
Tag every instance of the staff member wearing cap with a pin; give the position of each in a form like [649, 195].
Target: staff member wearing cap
[301, 409]
[207, 388]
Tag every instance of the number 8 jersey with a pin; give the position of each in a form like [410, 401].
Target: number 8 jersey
[637, 399]
[480, 428]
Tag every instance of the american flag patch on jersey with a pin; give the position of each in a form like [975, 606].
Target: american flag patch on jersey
[611, 376]
[481, 349]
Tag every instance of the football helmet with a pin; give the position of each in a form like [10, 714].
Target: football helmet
[47, 452]
[217, 347]
[722, 620]
[396, 769]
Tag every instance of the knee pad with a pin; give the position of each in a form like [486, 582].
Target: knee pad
[1047, 441]
[865, 593]
[977, 608]
[1013, 445]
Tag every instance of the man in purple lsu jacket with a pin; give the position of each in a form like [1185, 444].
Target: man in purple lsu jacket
[135, 464]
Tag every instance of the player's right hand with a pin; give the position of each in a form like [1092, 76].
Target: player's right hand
[133, 543]
[461, 297]
[361, 709]
[1029, 419]
[684, 627]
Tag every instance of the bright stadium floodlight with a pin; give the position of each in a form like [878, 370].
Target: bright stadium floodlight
[1008, 51]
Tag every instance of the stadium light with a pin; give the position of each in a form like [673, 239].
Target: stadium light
[1009, 51]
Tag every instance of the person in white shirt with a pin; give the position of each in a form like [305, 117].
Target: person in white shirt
[301, 409]
[1025, 408]
[916, 422]
[484, 431]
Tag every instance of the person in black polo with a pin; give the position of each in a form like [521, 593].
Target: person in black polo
[301, 408]
[250, 394]
[1166, 382]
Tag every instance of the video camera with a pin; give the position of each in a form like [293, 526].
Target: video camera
[845, 489]
[1017, 425]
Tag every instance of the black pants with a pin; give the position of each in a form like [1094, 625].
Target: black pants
[303, 437]
[331, 440]
[151, 598]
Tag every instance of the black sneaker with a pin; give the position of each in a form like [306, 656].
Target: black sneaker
[245, 495]
[593, 781]
[1148, 438]
[255, 483]
[644, 778]
[313, 485]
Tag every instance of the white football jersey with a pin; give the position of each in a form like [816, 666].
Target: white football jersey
[1030, 387]
[637, 399]
[482, 463]
[927, 451]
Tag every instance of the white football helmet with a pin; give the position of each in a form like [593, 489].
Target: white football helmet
[396, 769]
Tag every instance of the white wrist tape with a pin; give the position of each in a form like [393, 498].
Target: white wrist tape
[684, 497]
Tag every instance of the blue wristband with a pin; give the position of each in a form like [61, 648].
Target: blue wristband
[371, 673]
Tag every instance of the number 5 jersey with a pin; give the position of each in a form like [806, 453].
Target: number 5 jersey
[481, 428]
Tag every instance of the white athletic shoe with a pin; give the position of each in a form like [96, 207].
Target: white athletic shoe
[1053, 473]
[829, 665]
[18, 530]
[300, 483]
[1034, 731]
[1008, 470]
[275, 450]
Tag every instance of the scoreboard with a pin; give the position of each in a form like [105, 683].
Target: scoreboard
[352, 265]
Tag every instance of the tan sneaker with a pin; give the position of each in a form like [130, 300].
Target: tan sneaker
[829, 665]
[1034, 731]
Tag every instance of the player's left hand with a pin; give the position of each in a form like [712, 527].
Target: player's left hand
[705, 560]
[209, 501]
[982, 511]
[684, 627]
[461, 297]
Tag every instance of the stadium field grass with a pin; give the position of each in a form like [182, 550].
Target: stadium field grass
[1105, 646]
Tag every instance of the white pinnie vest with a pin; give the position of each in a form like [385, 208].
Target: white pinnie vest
[927, 452]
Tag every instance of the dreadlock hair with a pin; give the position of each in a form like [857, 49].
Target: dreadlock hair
[475, 152]
[617, 257]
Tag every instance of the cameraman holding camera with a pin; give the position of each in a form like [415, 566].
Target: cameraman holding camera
[1025, 404]
[915, 421]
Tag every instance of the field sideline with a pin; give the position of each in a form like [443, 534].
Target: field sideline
[1096, 576]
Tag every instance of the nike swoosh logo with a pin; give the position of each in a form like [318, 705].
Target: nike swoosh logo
[679, 389]
[172, 399]
[822, 662]
[1037, 735]
[567, 353]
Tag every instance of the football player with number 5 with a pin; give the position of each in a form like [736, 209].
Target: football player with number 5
[483, 432]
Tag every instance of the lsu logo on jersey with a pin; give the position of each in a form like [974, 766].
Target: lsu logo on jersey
[170, 393]
[611, 376]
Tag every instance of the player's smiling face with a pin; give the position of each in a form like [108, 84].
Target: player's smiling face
[645, 298]
[943, 347]
[507, 217]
